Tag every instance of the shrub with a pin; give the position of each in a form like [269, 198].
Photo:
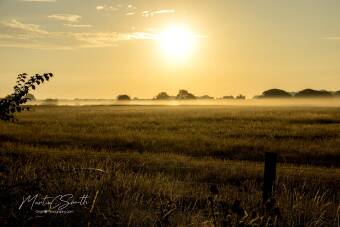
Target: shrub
[162, 96]
[241, 97]
[13, 103]
[123, 98]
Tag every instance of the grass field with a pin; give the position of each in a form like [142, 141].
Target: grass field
[160, 162]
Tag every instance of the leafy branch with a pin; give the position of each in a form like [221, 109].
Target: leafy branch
[13, 103]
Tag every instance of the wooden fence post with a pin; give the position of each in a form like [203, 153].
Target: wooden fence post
[269, 175]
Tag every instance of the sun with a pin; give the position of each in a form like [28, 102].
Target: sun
[177, 42]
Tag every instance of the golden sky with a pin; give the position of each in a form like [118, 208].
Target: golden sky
[102, 48]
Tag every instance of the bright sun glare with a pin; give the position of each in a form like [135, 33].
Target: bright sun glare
[177, 42]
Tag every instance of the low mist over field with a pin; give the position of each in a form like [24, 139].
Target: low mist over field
[327, 102]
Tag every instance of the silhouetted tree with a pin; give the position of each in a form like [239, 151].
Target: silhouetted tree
[228, 97]
[337, 93]
[276, 93]
[310, 93]
[13, 103]
[240, 97]
[184, 94]
[123, 98]
[162, 96]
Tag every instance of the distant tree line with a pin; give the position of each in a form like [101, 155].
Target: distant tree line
[186, 95]
[306, 93]
[271, 93]
[181, 95]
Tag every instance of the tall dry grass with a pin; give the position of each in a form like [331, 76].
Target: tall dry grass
[161, 162]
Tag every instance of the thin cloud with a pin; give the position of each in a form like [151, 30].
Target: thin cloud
[154, 13]
[78, 25]
[119, 7]
[130, 7]
[20, 35]
[14, 33]
[17, 25]
[107, 39]
[96, 39]
[72, 18]
[99, 8]
[38, 0]
[141, 36]
[106, 8]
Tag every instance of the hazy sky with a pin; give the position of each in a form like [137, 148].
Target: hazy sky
[102, 48]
